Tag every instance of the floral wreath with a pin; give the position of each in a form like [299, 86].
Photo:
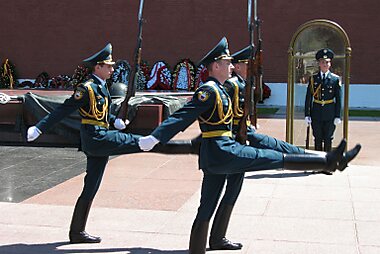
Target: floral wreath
[142, 76]
[122, 70]
[201, 76]
[42, 80]
[62, 82]
[81, 74]
[160, 77]
[184, 75]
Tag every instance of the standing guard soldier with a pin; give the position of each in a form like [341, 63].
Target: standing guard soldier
[323, 102]
[220, 154]
[92, 99]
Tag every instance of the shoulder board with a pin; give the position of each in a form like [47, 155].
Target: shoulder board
[88, 83]
[334, 75]
[233, 79]
[208, 85]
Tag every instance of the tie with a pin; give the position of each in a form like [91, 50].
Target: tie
[323, 78]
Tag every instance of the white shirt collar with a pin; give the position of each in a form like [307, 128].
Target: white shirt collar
[327, 73]
[101, 80]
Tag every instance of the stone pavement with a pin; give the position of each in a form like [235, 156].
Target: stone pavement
[147, 202]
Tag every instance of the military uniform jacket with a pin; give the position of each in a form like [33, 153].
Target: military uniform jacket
[93, 101]
[323, 99]
[212, 106]
[235, 87]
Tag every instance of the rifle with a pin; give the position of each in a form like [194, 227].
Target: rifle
[248, 111]
[258, 70]
[131, 89]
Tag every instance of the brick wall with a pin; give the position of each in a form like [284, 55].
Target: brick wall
[54, 36]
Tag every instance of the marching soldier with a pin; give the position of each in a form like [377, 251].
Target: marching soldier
[323, 102]
[92, 99]
[220, 155]
[235, 87]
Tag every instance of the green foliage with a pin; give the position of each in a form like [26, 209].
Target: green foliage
[364, 113]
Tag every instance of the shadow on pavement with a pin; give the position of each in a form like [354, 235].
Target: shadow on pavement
[47, 248]
[280, 175]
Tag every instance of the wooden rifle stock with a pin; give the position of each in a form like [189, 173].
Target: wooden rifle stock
[133, 77]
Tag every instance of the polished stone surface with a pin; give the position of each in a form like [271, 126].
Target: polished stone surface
[27, 171]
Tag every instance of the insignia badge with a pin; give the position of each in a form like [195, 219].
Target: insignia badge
[203, 96]
[78, 94]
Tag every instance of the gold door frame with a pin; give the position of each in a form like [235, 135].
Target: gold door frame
[291, 74]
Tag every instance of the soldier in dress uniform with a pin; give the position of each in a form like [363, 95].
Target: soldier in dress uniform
[323, 102]
[92, 99]
[220, 155]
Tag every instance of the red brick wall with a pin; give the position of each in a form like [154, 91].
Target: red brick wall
[54, 36]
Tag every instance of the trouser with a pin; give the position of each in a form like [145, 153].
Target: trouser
[212, 187]
[94, 174]
[263, 141]
[323, 132]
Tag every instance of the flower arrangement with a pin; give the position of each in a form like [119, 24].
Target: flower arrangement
[160, 77]
[142, 76]
[122, 70]
[201, 76]
[184, 75]
[81, 74]
[42, 80]
[62, 82]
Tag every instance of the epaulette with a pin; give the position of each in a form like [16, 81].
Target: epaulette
[88, 82]
[334, 75]
[208, 84]
[233, 79]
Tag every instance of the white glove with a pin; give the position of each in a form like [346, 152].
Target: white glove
[337, 121]
[308, 120]
[147, 143]
[120, 124]
[33, 133]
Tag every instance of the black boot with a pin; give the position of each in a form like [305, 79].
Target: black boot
[78, 224]
[218, 240]
[348, 156]
[179, 146]
[318, 162]
[198, 237]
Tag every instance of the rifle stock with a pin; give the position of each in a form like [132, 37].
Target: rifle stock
[131, 89]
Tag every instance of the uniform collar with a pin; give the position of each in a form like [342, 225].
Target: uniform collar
[215, 80]
[326, 73]
[102, 82]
